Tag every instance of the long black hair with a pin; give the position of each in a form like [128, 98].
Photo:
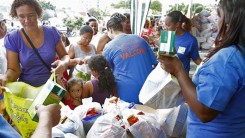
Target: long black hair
[232, 30]
[106, 78]
[178, 17]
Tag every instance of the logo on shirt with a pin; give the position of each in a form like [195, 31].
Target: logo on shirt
[181, 50]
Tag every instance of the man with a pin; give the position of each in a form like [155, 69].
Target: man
[94, 25]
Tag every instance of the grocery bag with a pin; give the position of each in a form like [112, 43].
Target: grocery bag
[160, 90]
[18, 97]
[173, 120]
[82, 71]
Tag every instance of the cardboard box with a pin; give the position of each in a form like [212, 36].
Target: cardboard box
[167, 41]
[50, 93]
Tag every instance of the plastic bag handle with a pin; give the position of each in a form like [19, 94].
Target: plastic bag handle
[53, 77]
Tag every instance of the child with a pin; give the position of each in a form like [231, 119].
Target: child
[104, 85]
[83, 49]
[75, 89]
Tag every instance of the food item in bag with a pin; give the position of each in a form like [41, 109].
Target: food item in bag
[167, 40]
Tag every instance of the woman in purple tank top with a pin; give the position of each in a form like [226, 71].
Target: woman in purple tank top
[104, 85]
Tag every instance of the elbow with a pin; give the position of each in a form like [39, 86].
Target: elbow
[205, 119]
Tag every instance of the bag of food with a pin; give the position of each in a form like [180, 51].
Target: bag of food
[82, 71]
[17, 98]
[160, 90]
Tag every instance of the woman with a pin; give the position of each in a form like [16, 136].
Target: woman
[130, 58]
[216, 95]
[23, 63]
[104, 85]
[104, 39]
[83, 49]
[186, 44]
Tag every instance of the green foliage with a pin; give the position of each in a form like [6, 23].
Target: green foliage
[97, 13]
[125, 4]
[75, 23]
[46, 5]
[197, 7]
[179, 7]
[156, 7]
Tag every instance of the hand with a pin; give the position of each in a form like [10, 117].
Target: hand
[170, 64]
[61, 67]
[79, 61]
[3, 79]
[50, 113]
[85, 60]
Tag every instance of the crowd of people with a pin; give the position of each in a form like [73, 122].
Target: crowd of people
[119, 63]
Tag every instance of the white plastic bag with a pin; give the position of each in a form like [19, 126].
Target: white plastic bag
[160, 90]
[173, 120]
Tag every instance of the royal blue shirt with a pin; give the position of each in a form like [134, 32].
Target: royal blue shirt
[187, 48]
[131, 59]
[220, 85]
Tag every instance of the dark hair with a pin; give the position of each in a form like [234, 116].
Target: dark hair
[115, 22]
[106, 78]
[33, 3]
[127, 15]
[92, 20]
[178, 17]
[72, 81]
[86, 29]
[232, 30]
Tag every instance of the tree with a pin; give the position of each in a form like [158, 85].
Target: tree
[156, 7]
[179, 7]
[75, 23]
[124, 4]
[46, 5]
[48, 8]
[97, 13]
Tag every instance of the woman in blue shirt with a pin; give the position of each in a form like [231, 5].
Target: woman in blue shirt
[216, 95]
[186, 44]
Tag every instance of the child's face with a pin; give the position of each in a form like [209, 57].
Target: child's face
[76, 90]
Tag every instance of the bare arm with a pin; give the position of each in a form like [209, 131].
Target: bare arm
[63, 63]
[188, 88]
[87, 89]
[198, 61]
[104, 39]
[13, 68]
[49, 116]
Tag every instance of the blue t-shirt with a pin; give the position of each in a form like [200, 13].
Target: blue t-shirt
[131, 59]
[187, 48]
[6, 131]
[220, 85]
[33, 71]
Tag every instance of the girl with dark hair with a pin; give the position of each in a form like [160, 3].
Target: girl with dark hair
[103, 86]
[131, 59]
[73, 97]
[216, 95]
[83, 49]
[186, 44]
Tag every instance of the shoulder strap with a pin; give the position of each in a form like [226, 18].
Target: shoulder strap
[35, 50]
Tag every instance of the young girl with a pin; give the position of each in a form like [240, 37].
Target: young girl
[103, 86]
[75, 89]
[82, 49]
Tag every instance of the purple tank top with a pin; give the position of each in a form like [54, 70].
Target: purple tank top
[97, 95]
